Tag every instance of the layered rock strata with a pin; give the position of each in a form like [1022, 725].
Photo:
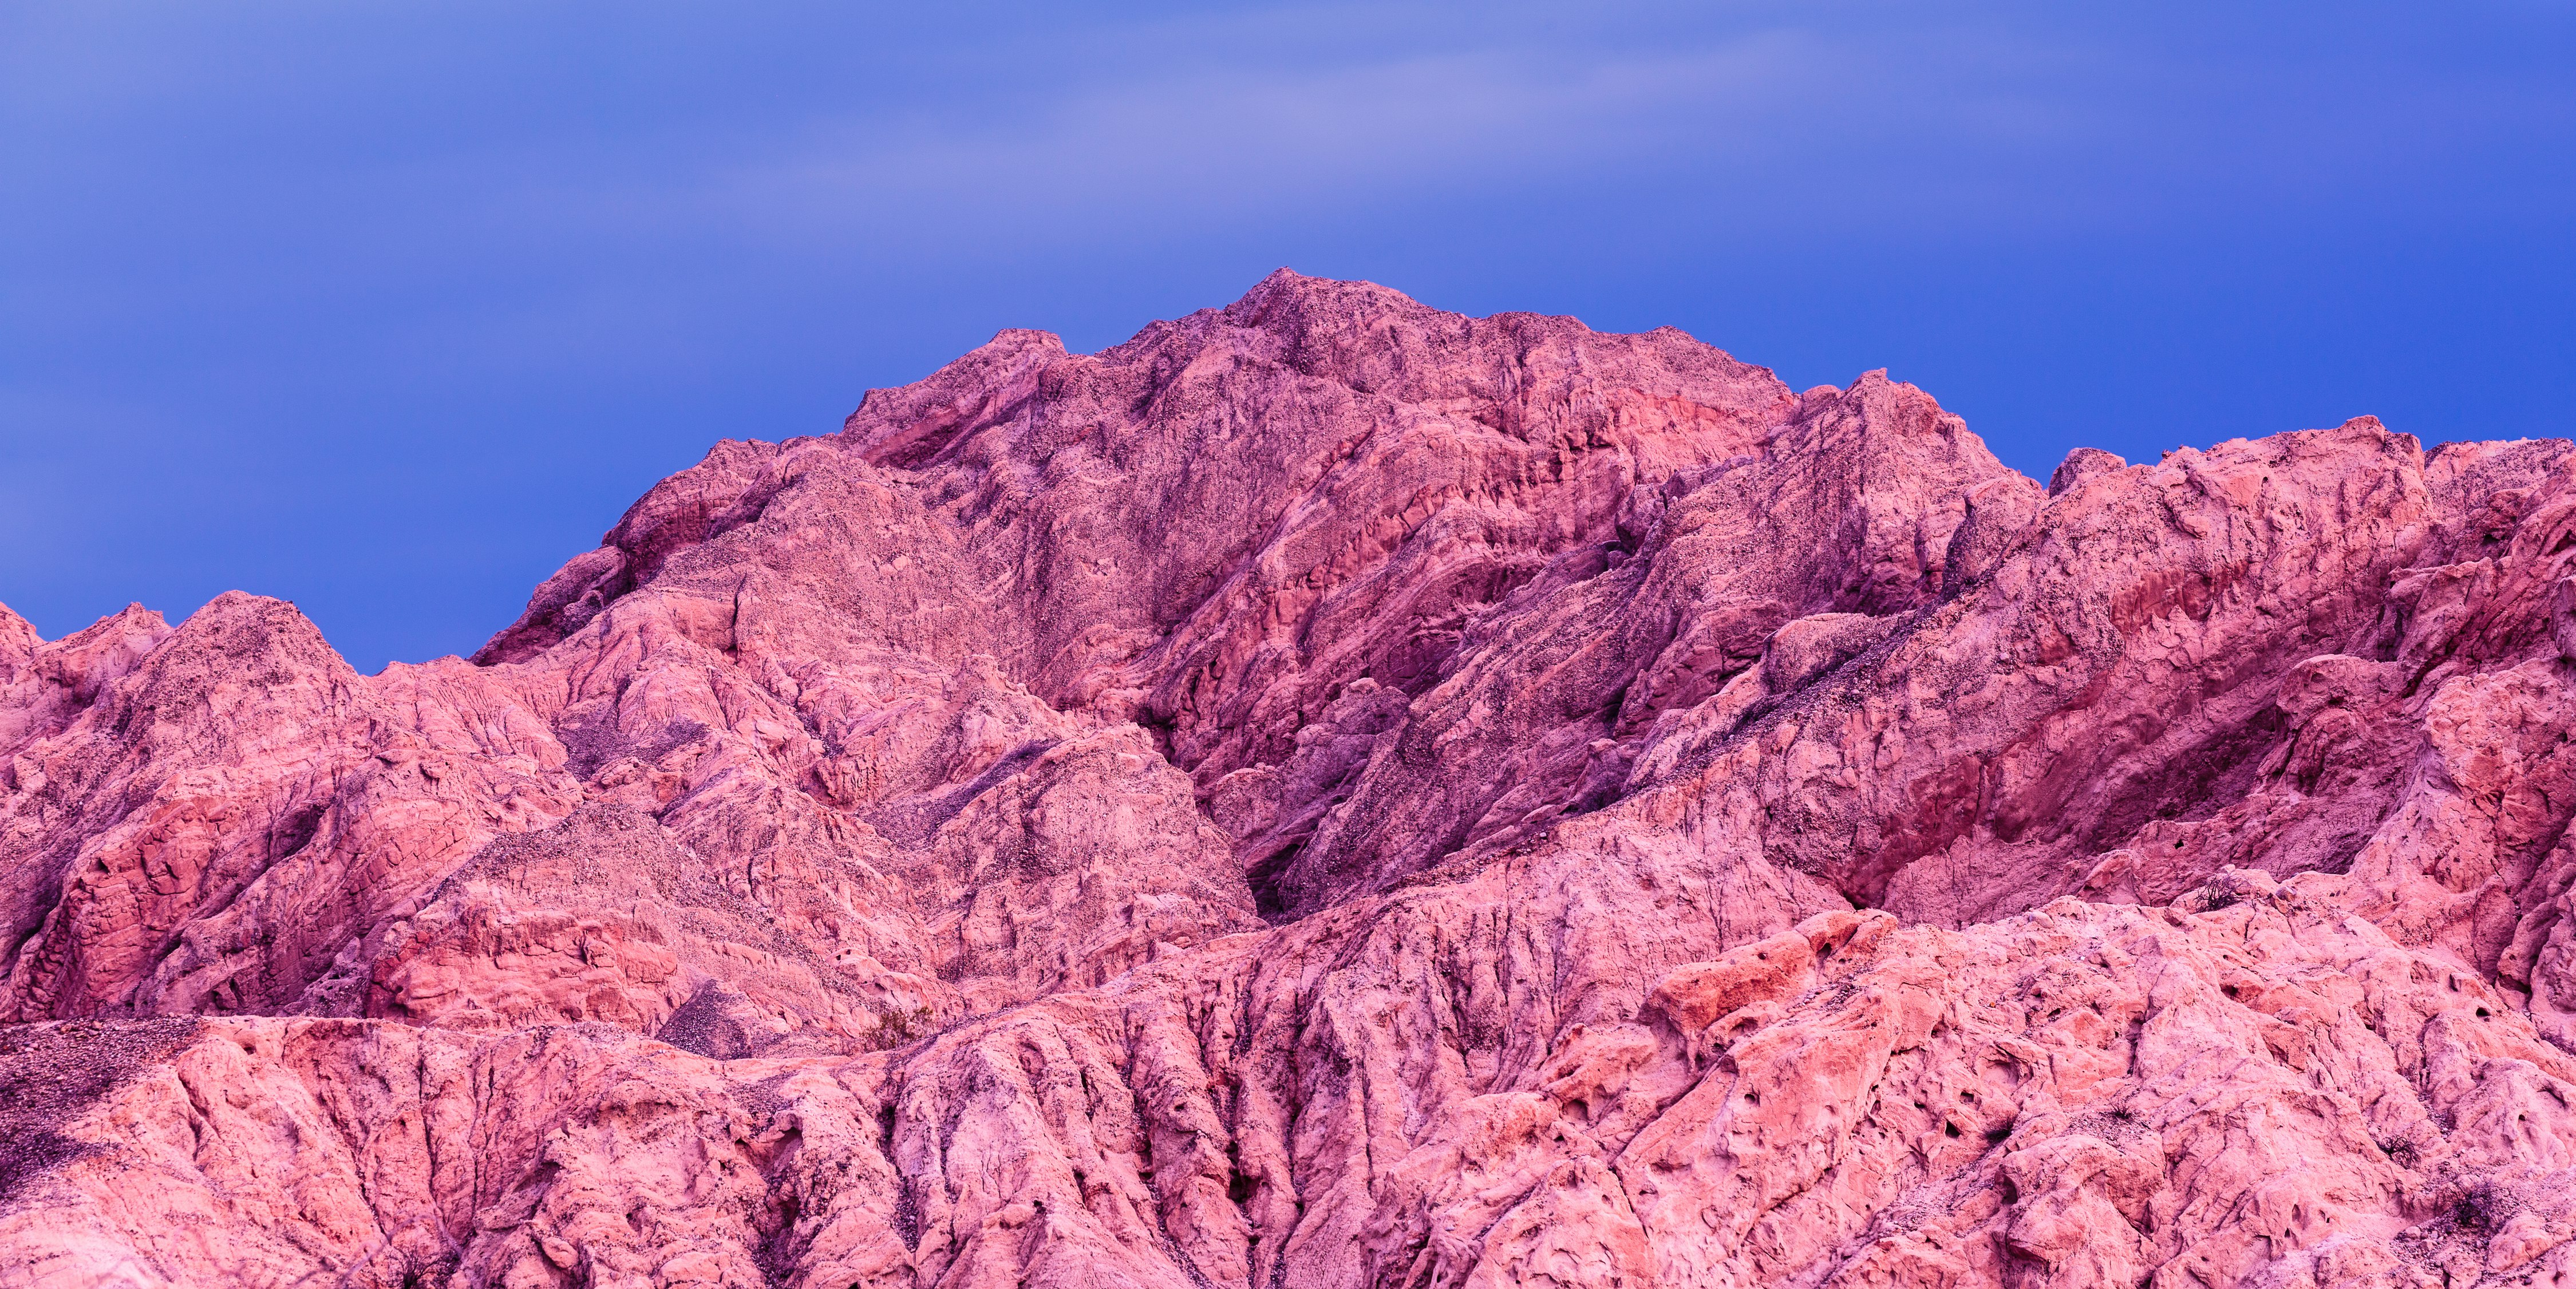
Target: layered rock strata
[1331, 792]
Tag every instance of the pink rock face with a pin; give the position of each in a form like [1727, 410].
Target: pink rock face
[1331, 793]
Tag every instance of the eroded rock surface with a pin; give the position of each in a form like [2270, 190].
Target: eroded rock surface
[1335, 793]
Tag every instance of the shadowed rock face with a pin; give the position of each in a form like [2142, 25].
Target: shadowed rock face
[1334, 793]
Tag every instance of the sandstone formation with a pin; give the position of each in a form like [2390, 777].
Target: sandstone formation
[1332, 793]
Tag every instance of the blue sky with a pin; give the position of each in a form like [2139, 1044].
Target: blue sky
[390, 308]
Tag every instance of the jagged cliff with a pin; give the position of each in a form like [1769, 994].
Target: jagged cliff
[1335, 793]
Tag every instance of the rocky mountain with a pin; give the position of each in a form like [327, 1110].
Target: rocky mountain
[1334, 793]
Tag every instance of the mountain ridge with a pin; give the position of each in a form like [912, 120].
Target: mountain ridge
[1329, 788]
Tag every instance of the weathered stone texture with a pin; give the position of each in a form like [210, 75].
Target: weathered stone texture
[1332, 793]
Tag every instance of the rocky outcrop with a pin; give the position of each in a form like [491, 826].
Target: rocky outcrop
[1338, 792]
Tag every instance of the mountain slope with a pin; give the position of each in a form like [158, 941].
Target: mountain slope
[1334, 790]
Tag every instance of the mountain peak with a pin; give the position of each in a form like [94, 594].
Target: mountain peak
[1166, 816]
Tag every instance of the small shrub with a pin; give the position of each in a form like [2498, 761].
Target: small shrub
[898, 1027]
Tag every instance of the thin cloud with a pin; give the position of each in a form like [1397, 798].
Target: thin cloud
[1146, 158]
[1232, 144]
